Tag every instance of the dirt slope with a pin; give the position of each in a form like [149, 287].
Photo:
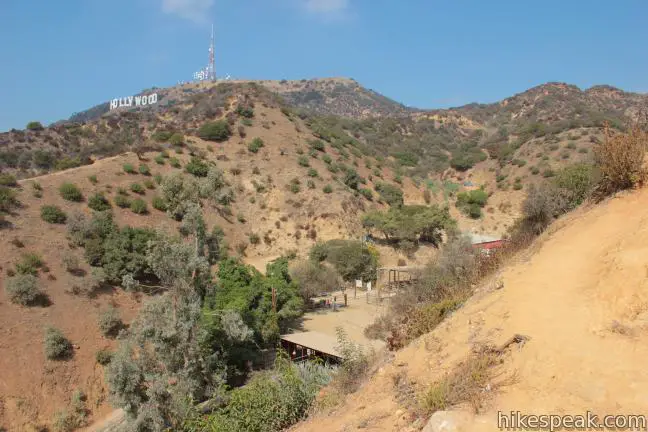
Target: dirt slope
[581, 296]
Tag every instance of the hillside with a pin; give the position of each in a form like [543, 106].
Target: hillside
[293, 174]
[578, 296]
[278, 207]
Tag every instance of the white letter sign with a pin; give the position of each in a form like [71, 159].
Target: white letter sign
[128, 101]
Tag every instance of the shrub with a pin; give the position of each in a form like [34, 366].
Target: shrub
[303, 161]
[71, 192]
[177, 139]
[137, 188]
[294, 188]
[254, 238]
[318, 145]
[93, 179]
[197, 167]
[29, 264]
[35, 126]
[355, 365]
[70, 263]
[53, 214]
[351, 179]
[57, 346]
[310, 184]
[620, 159]
[471, 202]
[389, 193]
[159, 159]
[327, 189]
[98, 202]
[23, 289]
[327, 159]
[7, 179]
[138, 206]
[255, 145]
[215, 131]
[174, 162]
[128, 168]
[104, 356]
[548, 173]
[109, 322]
[122, 201]
[161, 136]
[159, 203]
[149, 184]
[366, 193]
[312, 172]
[144, 169]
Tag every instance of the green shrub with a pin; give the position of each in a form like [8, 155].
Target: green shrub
[327, 189]
[254, 238]
[109, 322]
[245, 111]
[327, 159]
[177, 139]
[144, 169]
[366, 193]
[98, 202]
[472, 202]
[53, 214]
[104, 356]
[93, 179]
[389, 193]
[174, 162]
[23, 289]
[215, 131]
[137, 188]
[161, 136]
[303, 161]
[548, 173]
[255, 145]
[310, 184]
[138, 206]
[122, 201]
[197, 167]
[57, 346]
[312, 172]
[29, 264]
[159, 203]
[159, 159]
[318, 145]
[149, 184]
[35, 126]
[7, 179]
[128, 168]
[71, 192]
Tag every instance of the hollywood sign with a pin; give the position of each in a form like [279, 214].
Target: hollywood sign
[134, 101]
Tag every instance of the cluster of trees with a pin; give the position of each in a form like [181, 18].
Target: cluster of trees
[411, 223]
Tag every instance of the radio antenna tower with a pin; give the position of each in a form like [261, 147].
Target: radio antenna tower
[211, 68]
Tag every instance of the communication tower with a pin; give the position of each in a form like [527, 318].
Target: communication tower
[211, 68]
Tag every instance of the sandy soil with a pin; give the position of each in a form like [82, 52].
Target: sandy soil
[582, 298]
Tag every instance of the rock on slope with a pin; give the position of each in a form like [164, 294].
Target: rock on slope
[580, 294]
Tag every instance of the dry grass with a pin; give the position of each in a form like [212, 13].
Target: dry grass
[621, 160]
[470, 382]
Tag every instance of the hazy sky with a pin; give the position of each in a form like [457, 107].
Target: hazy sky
[58, 57]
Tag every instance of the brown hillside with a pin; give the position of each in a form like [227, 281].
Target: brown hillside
[579, 297]
[283, 220]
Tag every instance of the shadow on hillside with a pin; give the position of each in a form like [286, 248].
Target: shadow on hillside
[104, 289]
[42, 300]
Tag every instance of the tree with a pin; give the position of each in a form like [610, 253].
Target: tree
[389, 193]
[350, 258]
[411, 223]
[314, 278]
[215, 131]
[179, 191]
[35, 126]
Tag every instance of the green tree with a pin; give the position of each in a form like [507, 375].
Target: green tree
[215, 131]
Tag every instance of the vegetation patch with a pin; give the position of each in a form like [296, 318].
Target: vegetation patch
[53, 214]
[71, 192]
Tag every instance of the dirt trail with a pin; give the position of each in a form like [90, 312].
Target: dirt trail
[583, 300]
